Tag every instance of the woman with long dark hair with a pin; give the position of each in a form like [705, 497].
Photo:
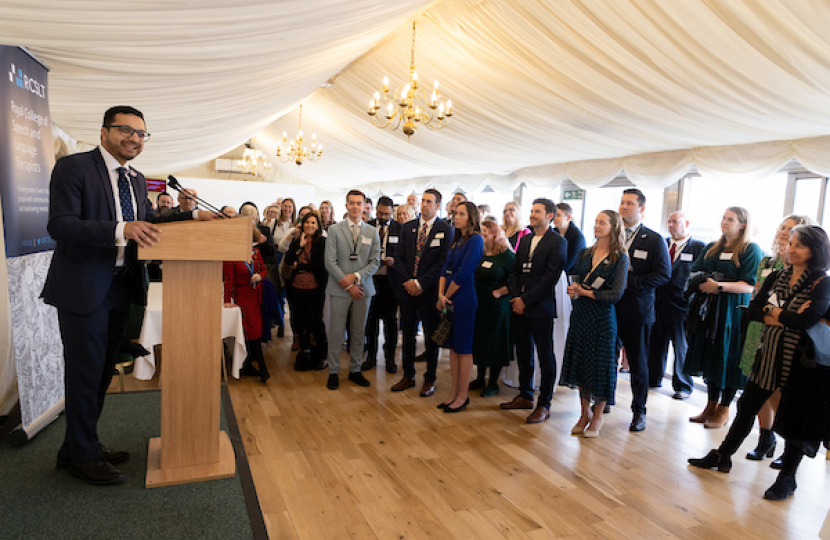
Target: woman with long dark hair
[590, 361]
[307, 287]
[726, 281]
[457, 291]
[790, 301]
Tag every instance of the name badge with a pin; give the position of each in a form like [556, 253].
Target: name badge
[640, 254]
[439, 235]
[487, 264]
[353, 256]
[526, 267]
[766, 272]
[773, 299]
[366, 240]
[597, 283]
[435, 243]
[448, 272]
[685, 257]
[726, 256]
[392, 240]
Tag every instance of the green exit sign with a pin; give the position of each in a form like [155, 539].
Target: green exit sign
[574, 194]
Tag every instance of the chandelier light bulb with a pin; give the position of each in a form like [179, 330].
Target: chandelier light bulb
[435, 86]
[449, 107]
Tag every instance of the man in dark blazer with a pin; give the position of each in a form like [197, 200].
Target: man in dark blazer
[671, 309]
[419, 261]
[570, 232]
[540, 259]
[384, 306]
[649, 268]
[98, 214]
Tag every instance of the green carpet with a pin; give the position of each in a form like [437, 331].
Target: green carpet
[37, 501]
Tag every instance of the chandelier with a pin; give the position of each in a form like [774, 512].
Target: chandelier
[409, 106]
[253, 160]
[297, 151]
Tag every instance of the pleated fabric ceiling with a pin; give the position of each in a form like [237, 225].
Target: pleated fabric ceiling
[541, 90]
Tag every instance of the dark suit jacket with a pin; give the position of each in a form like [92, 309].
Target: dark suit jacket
[393, 237]
[536, 287]
[649, 259]
[432, 259]
[82, 222]
[670, 301]
[576, 243]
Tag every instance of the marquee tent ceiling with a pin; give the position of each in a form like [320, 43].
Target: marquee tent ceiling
[540, 89]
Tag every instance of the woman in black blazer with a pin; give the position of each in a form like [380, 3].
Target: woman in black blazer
[306, 256]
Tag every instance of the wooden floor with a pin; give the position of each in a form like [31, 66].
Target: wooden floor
[366, 463]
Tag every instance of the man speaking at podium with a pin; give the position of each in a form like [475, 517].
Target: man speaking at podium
[98, 214]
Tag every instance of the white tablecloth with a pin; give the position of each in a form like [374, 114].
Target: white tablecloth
[145, 366]
[510, 375]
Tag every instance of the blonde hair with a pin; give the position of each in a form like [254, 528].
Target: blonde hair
[500, 243]
[519, 223]
[331, 214]
[410, 212]
[743, 240]
[799, 220]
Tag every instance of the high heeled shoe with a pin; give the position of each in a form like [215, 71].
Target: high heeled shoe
[460, 408]
[713, 460]
[765, 448]
[592, 433]
[579, 430]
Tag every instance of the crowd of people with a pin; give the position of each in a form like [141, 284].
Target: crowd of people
[485, 291]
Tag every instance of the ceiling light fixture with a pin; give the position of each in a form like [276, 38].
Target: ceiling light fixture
[253, 160]
[297, 151]
[409, 106]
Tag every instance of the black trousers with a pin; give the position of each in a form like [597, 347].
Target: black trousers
[384, 307]
[751, 401]
[421, 308]
[528, 332]
[634, 338]
[307, 312]
[90, 349]
[669, 327]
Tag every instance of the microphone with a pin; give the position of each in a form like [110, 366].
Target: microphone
[173, 182]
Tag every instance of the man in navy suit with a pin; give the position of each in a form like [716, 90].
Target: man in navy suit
[671, 309]
[570, 232]
[419, 261]
[384, 306]
[540, 259]
[98, 214]
[649, 268]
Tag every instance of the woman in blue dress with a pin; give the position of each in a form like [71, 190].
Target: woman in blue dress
[715, 341]
[456, 290]
[590, 362]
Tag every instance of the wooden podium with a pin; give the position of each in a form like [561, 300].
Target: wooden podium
[192, 448]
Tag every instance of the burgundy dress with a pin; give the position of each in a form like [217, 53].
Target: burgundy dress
[237, 275]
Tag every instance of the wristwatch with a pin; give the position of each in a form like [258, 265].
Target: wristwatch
[768, 309]
[720, 287]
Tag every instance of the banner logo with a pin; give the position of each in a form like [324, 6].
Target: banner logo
[27, 83]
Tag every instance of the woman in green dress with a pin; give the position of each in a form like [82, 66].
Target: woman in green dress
[715, 344]
[766, 438]
[492, 346]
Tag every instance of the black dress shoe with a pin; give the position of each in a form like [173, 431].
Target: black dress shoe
[713, 460]
[777, 464]
[638, 423]
[264, 376]
[680, 396]
[477, 384]
[368, 364]
[421, 357]
[110, 456]
[359, 379]
[765, 448]
[460, 408]
[334, 382]
[391, 367]
[783, 487]
[98, 473]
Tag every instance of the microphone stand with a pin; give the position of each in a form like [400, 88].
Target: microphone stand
[173, 182]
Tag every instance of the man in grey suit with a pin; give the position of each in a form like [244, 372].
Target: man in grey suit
[352, 258]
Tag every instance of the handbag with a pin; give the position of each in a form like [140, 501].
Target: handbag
[442, 332]
[819, 334]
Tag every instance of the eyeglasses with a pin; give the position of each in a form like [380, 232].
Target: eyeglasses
[128, 131]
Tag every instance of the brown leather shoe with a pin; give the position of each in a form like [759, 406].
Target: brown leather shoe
[403, 384]
[428, 388]
[539, 415]
[518, 403]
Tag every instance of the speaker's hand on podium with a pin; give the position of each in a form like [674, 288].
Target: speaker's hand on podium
[145, 234]
[207, 215]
